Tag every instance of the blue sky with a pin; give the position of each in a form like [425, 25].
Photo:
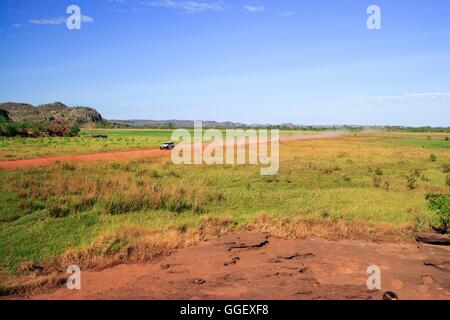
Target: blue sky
[254, 61]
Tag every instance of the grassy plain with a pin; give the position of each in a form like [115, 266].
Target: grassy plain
[369, 186]
[118, 139]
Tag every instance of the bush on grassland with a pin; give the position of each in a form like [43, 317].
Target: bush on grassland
[446, 168]
[440, 203]
[7, 128]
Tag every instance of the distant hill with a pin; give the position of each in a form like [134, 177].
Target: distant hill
[51, 112]
[187, 124]
[176, 124]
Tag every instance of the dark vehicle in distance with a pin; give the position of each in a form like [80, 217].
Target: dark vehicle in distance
[167, 146]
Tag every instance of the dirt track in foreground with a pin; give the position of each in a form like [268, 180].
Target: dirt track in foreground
[255, 266]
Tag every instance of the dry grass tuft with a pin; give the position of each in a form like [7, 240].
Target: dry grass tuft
[330, 229]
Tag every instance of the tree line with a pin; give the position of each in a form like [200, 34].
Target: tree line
[9, 128]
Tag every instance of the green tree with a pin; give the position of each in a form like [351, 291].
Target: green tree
[7, 128]
[73, 131]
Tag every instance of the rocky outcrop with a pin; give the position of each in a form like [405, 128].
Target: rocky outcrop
[433, 238]
[56, 111]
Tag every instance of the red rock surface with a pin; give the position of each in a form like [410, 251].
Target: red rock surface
[255, 266]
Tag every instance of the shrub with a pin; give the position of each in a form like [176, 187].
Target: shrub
[7, 128]
[84, 204]
[56, 128]
[433, 157]
[441, 204]
[59, 211]
[73, 131]
[119, 203]
[154, 174]
[178, 205]
[414, 173]
[327, 170]
[447, 181]
[29, 205]
[376, 181]
[446, 168]
[411, 182]
[68, 167]
[378, 172]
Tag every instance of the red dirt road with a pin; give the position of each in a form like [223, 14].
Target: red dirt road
[256, 266]
[43, 162]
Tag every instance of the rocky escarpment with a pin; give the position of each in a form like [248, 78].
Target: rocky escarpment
[51, 112]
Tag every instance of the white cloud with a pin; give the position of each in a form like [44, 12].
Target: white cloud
[432, 97]
[87, 19]
[48, 21]
[58, 20]
[287, 13]
[254, 8]
[17, 25]
[187, 6]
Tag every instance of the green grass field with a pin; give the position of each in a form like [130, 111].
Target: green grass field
[118, 139]
[368, 186]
